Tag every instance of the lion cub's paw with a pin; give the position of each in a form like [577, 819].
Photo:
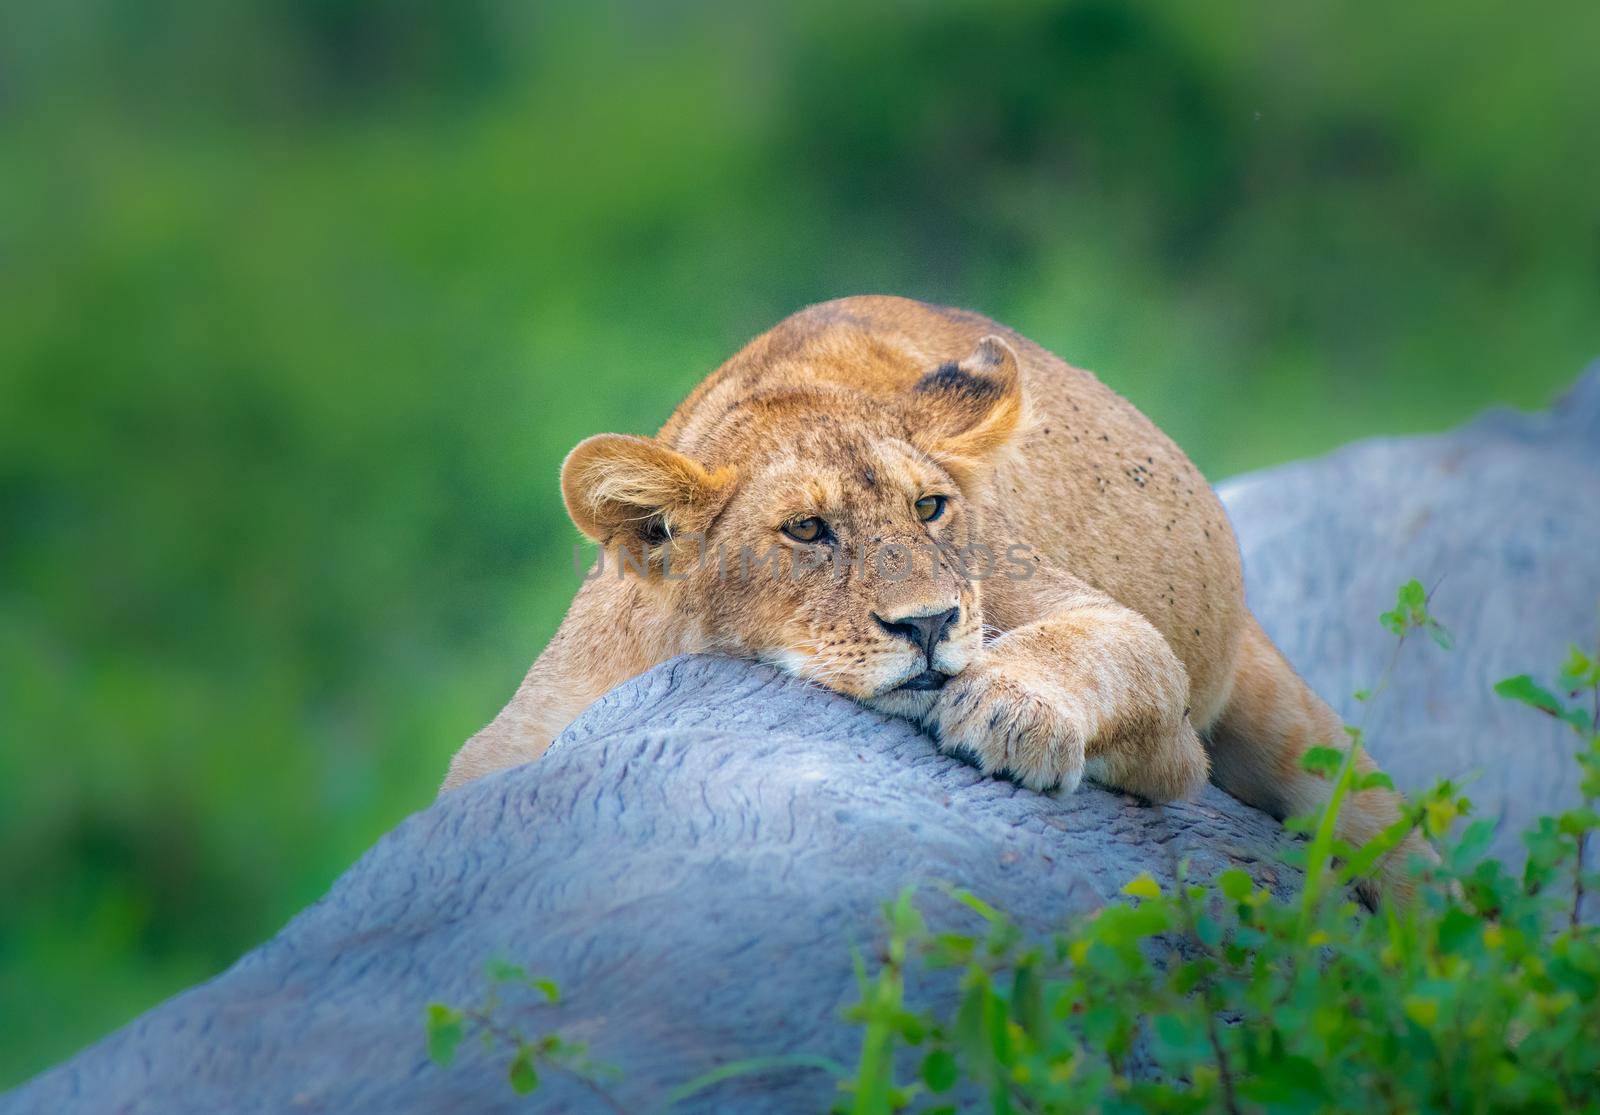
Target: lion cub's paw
[1007, 722]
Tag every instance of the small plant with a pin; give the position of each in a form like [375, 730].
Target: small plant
[449, 1026]
[1481, 994]
[531, 1057]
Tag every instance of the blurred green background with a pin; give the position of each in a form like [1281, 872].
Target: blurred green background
[302, 302]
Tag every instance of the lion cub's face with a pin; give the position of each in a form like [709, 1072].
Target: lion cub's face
[835, 544]
[838, 561]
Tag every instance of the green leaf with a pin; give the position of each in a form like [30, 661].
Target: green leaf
[1581, 670]
[1523, 688]
[1421, 1009]
[1323, 761]
[1235, 884]
[953, 948]
[1412, 596]
[976, 904]
[1288, 1083]
[1457, 929]
[754, 1066]
[1027, 1002]
[1474, 841]
[499, 971]
[1576, 822]
[969, 1025]
[1373, 779]
[1183, 1036]
[551, 991]
[1438, 815]
[524, 1077]
[939, 1071]
[900, 1098]
[1411, 610]
[904, 917]
[444, 1033]
[1142, 886]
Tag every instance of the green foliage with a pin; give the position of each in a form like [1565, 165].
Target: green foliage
[1523, 688]
[523, 1076]
[445, 1031]
[1480, 994]
[302, 303]
[497, 1022]
[1410, 613]
[751, 1066]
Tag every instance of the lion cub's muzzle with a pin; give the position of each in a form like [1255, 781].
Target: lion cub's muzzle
[925, 630]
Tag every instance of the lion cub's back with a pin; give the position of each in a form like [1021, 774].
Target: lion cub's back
[1096, 485]
[1092, 485]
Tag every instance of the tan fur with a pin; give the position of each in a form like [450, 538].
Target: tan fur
[1127, 642]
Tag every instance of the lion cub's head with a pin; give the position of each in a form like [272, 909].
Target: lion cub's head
[829, 530]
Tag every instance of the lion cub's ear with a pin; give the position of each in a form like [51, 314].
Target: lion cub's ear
[962, 413]
[634, 491]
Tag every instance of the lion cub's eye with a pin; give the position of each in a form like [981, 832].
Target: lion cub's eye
[929, 508]
[805, 530]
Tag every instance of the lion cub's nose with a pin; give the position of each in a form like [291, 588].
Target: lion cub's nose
[921, 631]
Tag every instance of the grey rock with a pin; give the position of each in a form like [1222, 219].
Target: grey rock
[696, 856]
[1501, 519]
[692, 862]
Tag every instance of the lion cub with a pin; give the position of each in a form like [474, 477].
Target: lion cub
[918, 508]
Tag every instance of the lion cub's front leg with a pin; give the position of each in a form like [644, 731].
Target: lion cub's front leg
[1090, 689]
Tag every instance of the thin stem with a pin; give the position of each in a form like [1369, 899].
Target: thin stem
[875, 1075]
[600, 1093]
[1320, 853]
[1577, 884]
[487, 1022]
[515, 1039]
[1384, 678]
[1209, 992]
[1017, 1097]
[1224, 1072]
[1583, 837]
[1317, 856]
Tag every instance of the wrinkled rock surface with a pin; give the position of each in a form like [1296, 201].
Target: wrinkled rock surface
[692, 862]
[695, 858]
